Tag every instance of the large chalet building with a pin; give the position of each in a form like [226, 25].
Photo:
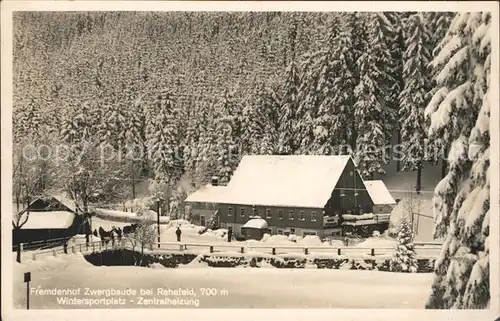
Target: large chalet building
[301, 195]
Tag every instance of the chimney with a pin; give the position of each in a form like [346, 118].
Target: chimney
[215, 181]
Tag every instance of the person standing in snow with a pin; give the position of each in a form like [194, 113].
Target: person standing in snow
[178, 233]
[229, 233]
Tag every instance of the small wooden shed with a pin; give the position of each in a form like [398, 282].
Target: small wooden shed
[47, 218]
[254, 229]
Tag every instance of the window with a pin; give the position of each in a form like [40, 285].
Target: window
[302, 217]
[290, 215]
[268, 214]
[242, 212]
[313, 216]
[255, 211]
[351, 173]
[292, 231]
[229, 211]
[270, 231]
[280, 232]
[360, 210]
[280, 215]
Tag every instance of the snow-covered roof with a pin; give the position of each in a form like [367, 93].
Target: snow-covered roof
[69, 203]
[208, 194]
[379, 193]
[48, 220]
[298, 180]
[258, 223]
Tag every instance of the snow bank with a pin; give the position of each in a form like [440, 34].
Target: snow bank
[182, 224]
[197, 262]
[156, 266]
[366, 216]
[377, 242]
[80, 239]
[54, 263]
[129, 216]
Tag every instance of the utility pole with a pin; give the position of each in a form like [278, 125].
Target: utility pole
[158, 220]
[355, 190]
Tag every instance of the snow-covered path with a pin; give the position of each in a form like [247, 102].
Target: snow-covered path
[246, 287]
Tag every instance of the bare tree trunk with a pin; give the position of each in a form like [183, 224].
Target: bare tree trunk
[419, 178]
[444, 164]
[398, 162]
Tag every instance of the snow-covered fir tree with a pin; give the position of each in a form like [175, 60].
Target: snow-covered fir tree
[226, 146]
[133, 150]
[163, 139]
[113, 126]
[29, 121]
[192, 138]
[252, 126]
[289, 99]
[206, 159]
[404, 259]
[267, 108]
[459, 113]
[134, 122]
[391, 25]
[308, 101]
[318, 120]
[413, 97]
[78, 123]
[396, 44]
[373, 114]
[287, 110]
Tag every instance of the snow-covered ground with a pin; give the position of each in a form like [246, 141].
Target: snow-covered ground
[197, 243]
[383, 245]
[236, 288]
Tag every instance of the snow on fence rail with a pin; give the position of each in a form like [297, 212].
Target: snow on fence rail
[423, 249]
[279, 249]
[96, 246]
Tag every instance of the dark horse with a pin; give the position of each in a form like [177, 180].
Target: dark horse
[106, 236]
[129, 228]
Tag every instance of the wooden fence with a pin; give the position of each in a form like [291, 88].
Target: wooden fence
[428, 249]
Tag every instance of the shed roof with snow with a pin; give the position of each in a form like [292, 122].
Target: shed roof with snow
[256, 223]
[207, 194]
[48, 220]
[275, 180]
[52, 203]
[379, 193]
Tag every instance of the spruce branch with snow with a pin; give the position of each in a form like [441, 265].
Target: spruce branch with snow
[459, 112]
